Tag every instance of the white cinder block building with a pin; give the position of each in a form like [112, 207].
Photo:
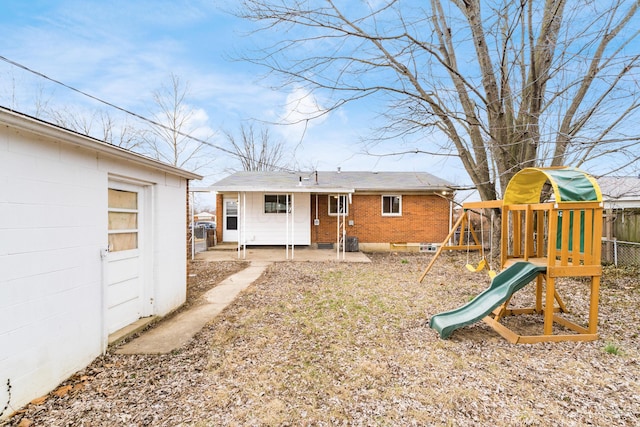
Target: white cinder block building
[92, 238]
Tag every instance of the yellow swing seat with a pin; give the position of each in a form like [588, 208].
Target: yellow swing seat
[481, 265]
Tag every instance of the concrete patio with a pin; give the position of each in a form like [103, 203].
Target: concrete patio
[229, 252]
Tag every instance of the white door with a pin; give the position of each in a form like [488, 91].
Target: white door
[230, 218]
[124, 278]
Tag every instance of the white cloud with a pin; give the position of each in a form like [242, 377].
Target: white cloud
[122, 51]
[302, 105]
[302, 112]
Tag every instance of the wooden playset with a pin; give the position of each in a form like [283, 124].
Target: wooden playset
[556, 239]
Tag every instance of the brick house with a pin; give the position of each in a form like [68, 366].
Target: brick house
[380, 211]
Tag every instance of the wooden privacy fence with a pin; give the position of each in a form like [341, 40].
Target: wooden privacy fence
[622, 224]
[621, 237]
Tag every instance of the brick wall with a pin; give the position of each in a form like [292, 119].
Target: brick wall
[219, 217]
[425, 219]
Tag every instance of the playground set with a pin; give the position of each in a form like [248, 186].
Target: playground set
[541, 242]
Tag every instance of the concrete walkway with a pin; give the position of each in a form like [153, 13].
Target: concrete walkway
[175, 332]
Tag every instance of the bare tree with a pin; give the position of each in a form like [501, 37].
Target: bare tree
[174, 135]
[256, 151]
[171, 142]
[500, 84]
[77, 121]
[123, 134]
[100, 125]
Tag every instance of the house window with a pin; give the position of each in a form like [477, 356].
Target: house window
[123, 220]
[276, 203]
[391, 205]
[338, 204]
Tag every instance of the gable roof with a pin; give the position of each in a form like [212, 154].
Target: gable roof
[622, 191]
[39, 127]
[331, 182]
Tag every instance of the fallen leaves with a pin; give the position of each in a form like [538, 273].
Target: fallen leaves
[347, 344]
[39, 400]
[63, 391]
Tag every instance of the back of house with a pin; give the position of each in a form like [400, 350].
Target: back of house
[377, 211]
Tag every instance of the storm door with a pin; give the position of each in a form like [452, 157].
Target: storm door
[230, 228]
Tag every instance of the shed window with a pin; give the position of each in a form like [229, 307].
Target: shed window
[391, 205]
[123, 220]
[276, 203]
[338, 204]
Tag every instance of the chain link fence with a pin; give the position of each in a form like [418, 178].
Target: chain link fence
[620, 253]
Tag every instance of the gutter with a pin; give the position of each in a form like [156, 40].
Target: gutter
[60, 134]
[296, 189]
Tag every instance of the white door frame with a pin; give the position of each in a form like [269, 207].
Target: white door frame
[230, 235]
[145, 243]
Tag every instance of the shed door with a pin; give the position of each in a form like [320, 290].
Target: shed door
[124, 279]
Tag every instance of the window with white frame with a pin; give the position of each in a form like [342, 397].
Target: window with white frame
[338, 205]
[276, 203]
[391, 205]
[123, 220]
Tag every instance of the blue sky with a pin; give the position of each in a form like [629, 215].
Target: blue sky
[121, 51]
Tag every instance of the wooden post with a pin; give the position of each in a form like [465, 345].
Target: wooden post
[549, 303]
[504, 239]
[517, 233]
[593, 309]
[459, 222]
[539, 293]
[528, 236]
[540, 233]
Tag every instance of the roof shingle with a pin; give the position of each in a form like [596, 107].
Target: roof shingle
[323, 181]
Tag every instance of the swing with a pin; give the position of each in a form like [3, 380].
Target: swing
[481, 265]
[491, 271]
[483, 262]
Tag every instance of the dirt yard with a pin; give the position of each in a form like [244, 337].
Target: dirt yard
[336, 344]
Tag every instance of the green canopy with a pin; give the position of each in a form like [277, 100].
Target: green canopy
[569, 185]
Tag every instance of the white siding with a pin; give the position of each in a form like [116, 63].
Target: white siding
[53, 225]
[262, 228]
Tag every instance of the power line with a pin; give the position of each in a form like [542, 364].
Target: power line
[124, 110]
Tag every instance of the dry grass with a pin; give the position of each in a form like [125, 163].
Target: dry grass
[349, 344]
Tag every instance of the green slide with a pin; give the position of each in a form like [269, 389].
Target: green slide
[502, 287]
